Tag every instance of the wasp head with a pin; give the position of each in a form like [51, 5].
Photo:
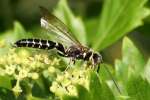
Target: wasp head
[97, 58]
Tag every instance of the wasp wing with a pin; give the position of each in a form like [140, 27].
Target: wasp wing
[57, 28]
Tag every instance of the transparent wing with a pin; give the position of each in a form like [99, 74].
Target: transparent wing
[57, 28]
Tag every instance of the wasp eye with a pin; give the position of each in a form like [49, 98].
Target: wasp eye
[97, 58]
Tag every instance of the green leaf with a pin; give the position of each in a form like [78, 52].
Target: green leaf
[19, 31]
[132, 58]
[83, 93]
[67, 97]
[146, 73]
[121, 71]
[138, 88]
[5, 82]
[64, 13]
[117, 19]
[91, 25]
[131, 65]
[99, 90]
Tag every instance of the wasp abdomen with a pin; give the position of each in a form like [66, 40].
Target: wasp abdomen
[35, 43]
[60, 47]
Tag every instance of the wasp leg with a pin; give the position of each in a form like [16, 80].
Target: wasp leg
[67, 67]
[60, 54]
[72, 60]
[98, 68]
[63, 55]
[84, 64]
[92, 66]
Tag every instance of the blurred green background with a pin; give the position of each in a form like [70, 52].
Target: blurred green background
[118, 29]
[28, 14]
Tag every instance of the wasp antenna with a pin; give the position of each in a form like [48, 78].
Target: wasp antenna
[113, 79]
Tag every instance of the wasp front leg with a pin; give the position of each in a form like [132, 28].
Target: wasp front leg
[72, 61]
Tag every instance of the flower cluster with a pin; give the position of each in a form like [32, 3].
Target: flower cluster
[21, 65]
[66, 82]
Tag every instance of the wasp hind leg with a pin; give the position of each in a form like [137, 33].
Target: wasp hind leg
[60, 54]
[72, 60]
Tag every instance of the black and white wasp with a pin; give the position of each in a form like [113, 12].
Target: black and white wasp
[69, 45]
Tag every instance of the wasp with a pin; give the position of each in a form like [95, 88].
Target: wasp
[68, 45]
